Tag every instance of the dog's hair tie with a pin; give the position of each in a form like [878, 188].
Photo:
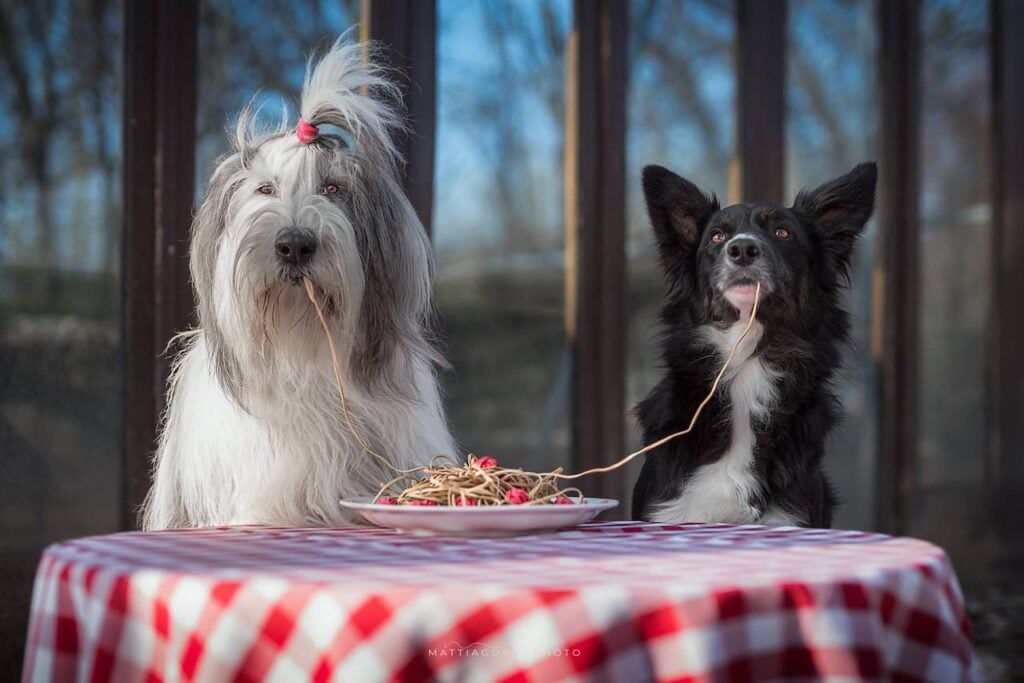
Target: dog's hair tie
[306, 131]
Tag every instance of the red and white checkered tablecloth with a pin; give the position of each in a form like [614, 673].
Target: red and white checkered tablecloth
[614, 601]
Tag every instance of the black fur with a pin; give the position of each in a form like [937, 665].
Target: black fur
[805, 328]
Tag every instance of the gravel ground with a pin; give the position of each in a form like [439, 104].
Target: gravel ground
[997, 619]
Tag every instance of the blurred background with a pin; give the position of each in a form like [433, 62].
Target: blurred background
[531, 121]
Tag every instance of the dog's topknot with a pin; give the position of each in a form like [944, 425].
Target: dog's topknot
[347, 87]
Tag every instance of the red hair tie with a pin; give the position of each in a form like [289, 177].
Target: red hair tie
[307, 132]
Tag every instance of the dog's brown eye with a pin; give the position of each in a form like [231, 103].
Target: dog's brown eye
[717, 237]
[266, 188]
[782, 233]
[331, 188]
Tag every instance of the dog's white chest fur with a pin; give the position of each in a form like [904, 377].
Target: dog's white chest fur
[218, 464]
[720, 491]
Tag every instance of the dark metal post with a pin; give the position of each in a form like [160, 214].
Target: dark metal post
[175, 164]
[595, 234]
[159, 141]
[899, 234]
[761, 98]
[1006, 461]
[138, 247]
[407, 30]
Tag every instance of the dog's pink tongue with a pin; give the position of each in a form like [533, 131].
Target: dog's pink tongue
[742, 297]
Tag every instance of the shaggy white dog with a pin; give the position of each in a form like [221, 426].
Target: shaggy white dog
[252, 431]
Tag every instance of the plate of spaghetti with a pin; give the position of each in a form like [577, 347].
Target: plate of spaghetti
[477, 497]
[479, 520]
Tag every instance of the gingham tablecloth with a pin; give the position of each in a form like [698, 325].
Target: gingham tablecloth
[615, 601]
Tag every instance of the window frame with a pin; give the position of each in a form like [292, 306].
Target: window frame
[160, 71]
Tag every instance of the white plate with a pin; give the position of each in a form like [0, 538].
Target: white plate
[498, 520]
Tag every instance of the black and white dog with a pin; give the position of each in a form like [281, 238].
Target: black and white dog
[755, 455]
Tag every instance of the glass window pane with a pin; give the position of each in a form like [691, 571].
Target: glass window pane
[956, 234]
[831, 126]
[499, 226]
[256, 51]
[60, 256]
[681, 114]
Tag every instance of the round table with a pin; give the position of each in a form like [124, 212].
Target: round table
[616, 601]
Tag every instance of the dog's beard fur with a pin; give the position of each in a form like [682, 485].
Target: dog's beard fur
[252, 432]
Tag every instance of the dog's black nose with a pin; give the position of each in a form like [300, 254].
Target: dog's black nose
[743, 251]
[295, 246]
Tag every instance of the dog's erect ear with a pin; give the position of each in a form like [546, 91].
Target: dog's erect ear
[838, 211]
[678, 209]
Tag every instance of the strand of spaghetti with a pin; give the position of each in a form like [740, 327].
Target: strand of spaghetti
[457, 482]
[310, 292]
[696, 413]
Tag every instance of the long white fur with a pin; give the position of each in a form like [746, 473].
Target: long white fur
[339, 83]
[720, 491]
[287, 457]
